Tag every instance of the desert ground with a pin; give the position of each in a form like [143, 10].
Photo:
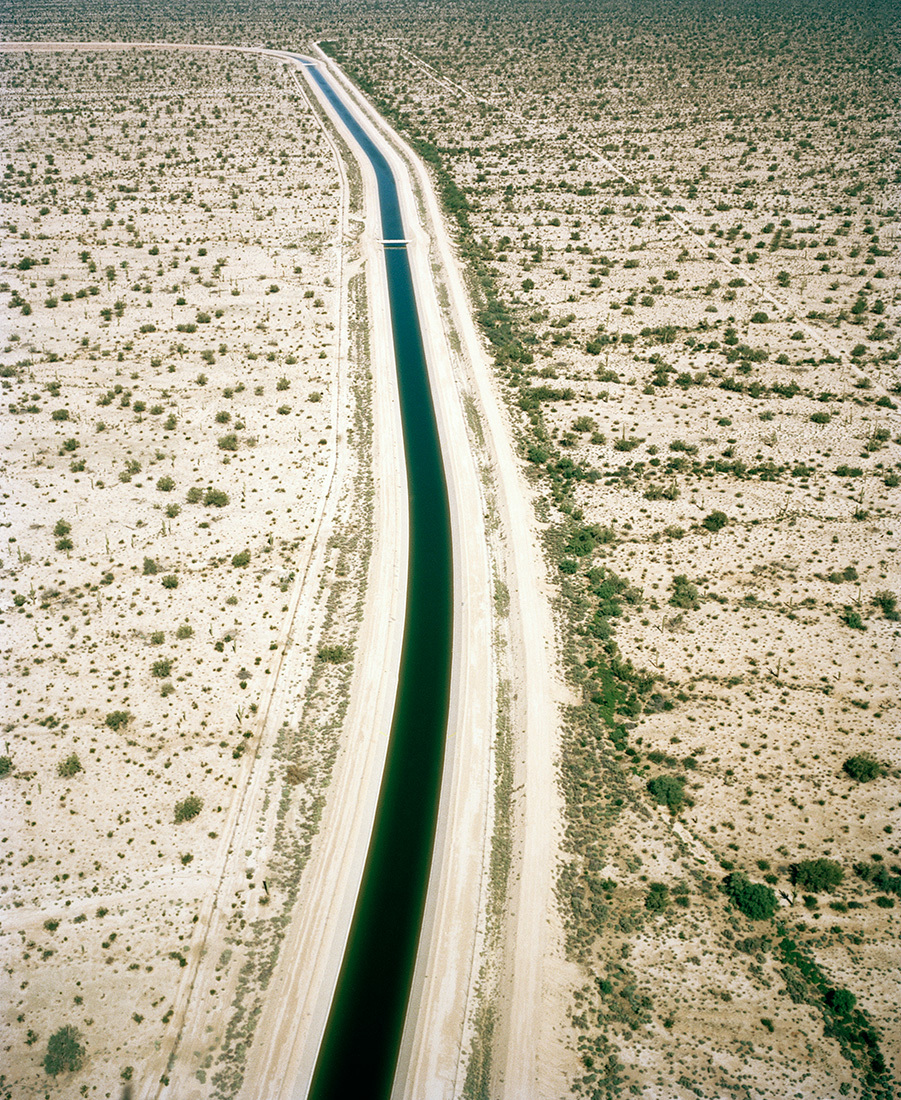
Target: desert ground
[679, 236]
[175, 404]
[692, 298]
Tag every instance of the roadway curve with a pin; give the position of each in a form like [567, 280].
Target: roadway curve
[438, 1031]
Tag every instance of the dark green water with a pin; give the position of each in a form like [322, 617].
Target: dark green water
[359, 1051]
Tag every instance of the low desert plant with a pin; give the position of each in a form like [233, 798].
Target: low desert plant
[188, 808]
[668, 790]
[863, 767]
[65, 1051]
[817, 874]
[334, 654]
[69, 767]
[754, 900]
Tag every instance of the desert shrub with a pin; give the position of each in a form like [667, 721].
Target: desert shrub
[228, 442]
[754, 900]
[715, 521]
[184, 631]
[194, 495]
[69, 767]
[685, 594]
[170, 581]
[65, 1051]
[657, 899]
[6, 764]
[150, 567]
[62, 528]
[188, 808]
[863, 767]
[888, 602]
[215, 497]
[162, 668]
[668, 790]
[841, 1001]
[334, 654]
[173, 510]
[166, 484]
[584, 539]
[242, 558]
[116, 719]
[852, 618]
[817, 874]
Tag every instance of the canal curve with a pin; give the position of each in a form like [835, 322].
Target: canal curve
[359, 1050]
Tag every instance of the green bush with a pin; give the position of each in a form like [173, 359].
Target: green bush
[117, 719]
[170, 581]
[685, 594]
[215, 497]
[194, 495]
[243, 558]
[150, 567]
[888, 602]
[166, 484]
[173, 510]
[162, 668]
[715, 521]
[228, 443]
[853, 619]
[755, 901]
[188, 808]
[841, 1001]
[657, 899]
[184, 631]
[584, 539]
[69, 767]
[6, 764]
[65, 1051]
[863, 767]
[62, 528]
[334, 654]
[668, 790]
[817, 874]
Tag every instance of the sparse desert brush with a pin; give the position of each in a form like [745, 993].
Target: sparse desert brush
[65, 1051]
[116, 719]
[863, 767]
[188, 808]
[69, 767]
[333, 654]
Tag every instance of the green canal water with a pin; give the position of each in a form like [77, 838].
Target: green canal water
[358, 1056]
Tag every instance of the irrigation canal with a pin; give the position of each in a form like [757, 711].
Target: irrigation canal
[359, 1051]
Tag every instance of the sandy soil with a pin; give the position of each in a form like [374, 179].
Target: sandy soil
[698, 335]
[184, 336]
[200, 1049]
